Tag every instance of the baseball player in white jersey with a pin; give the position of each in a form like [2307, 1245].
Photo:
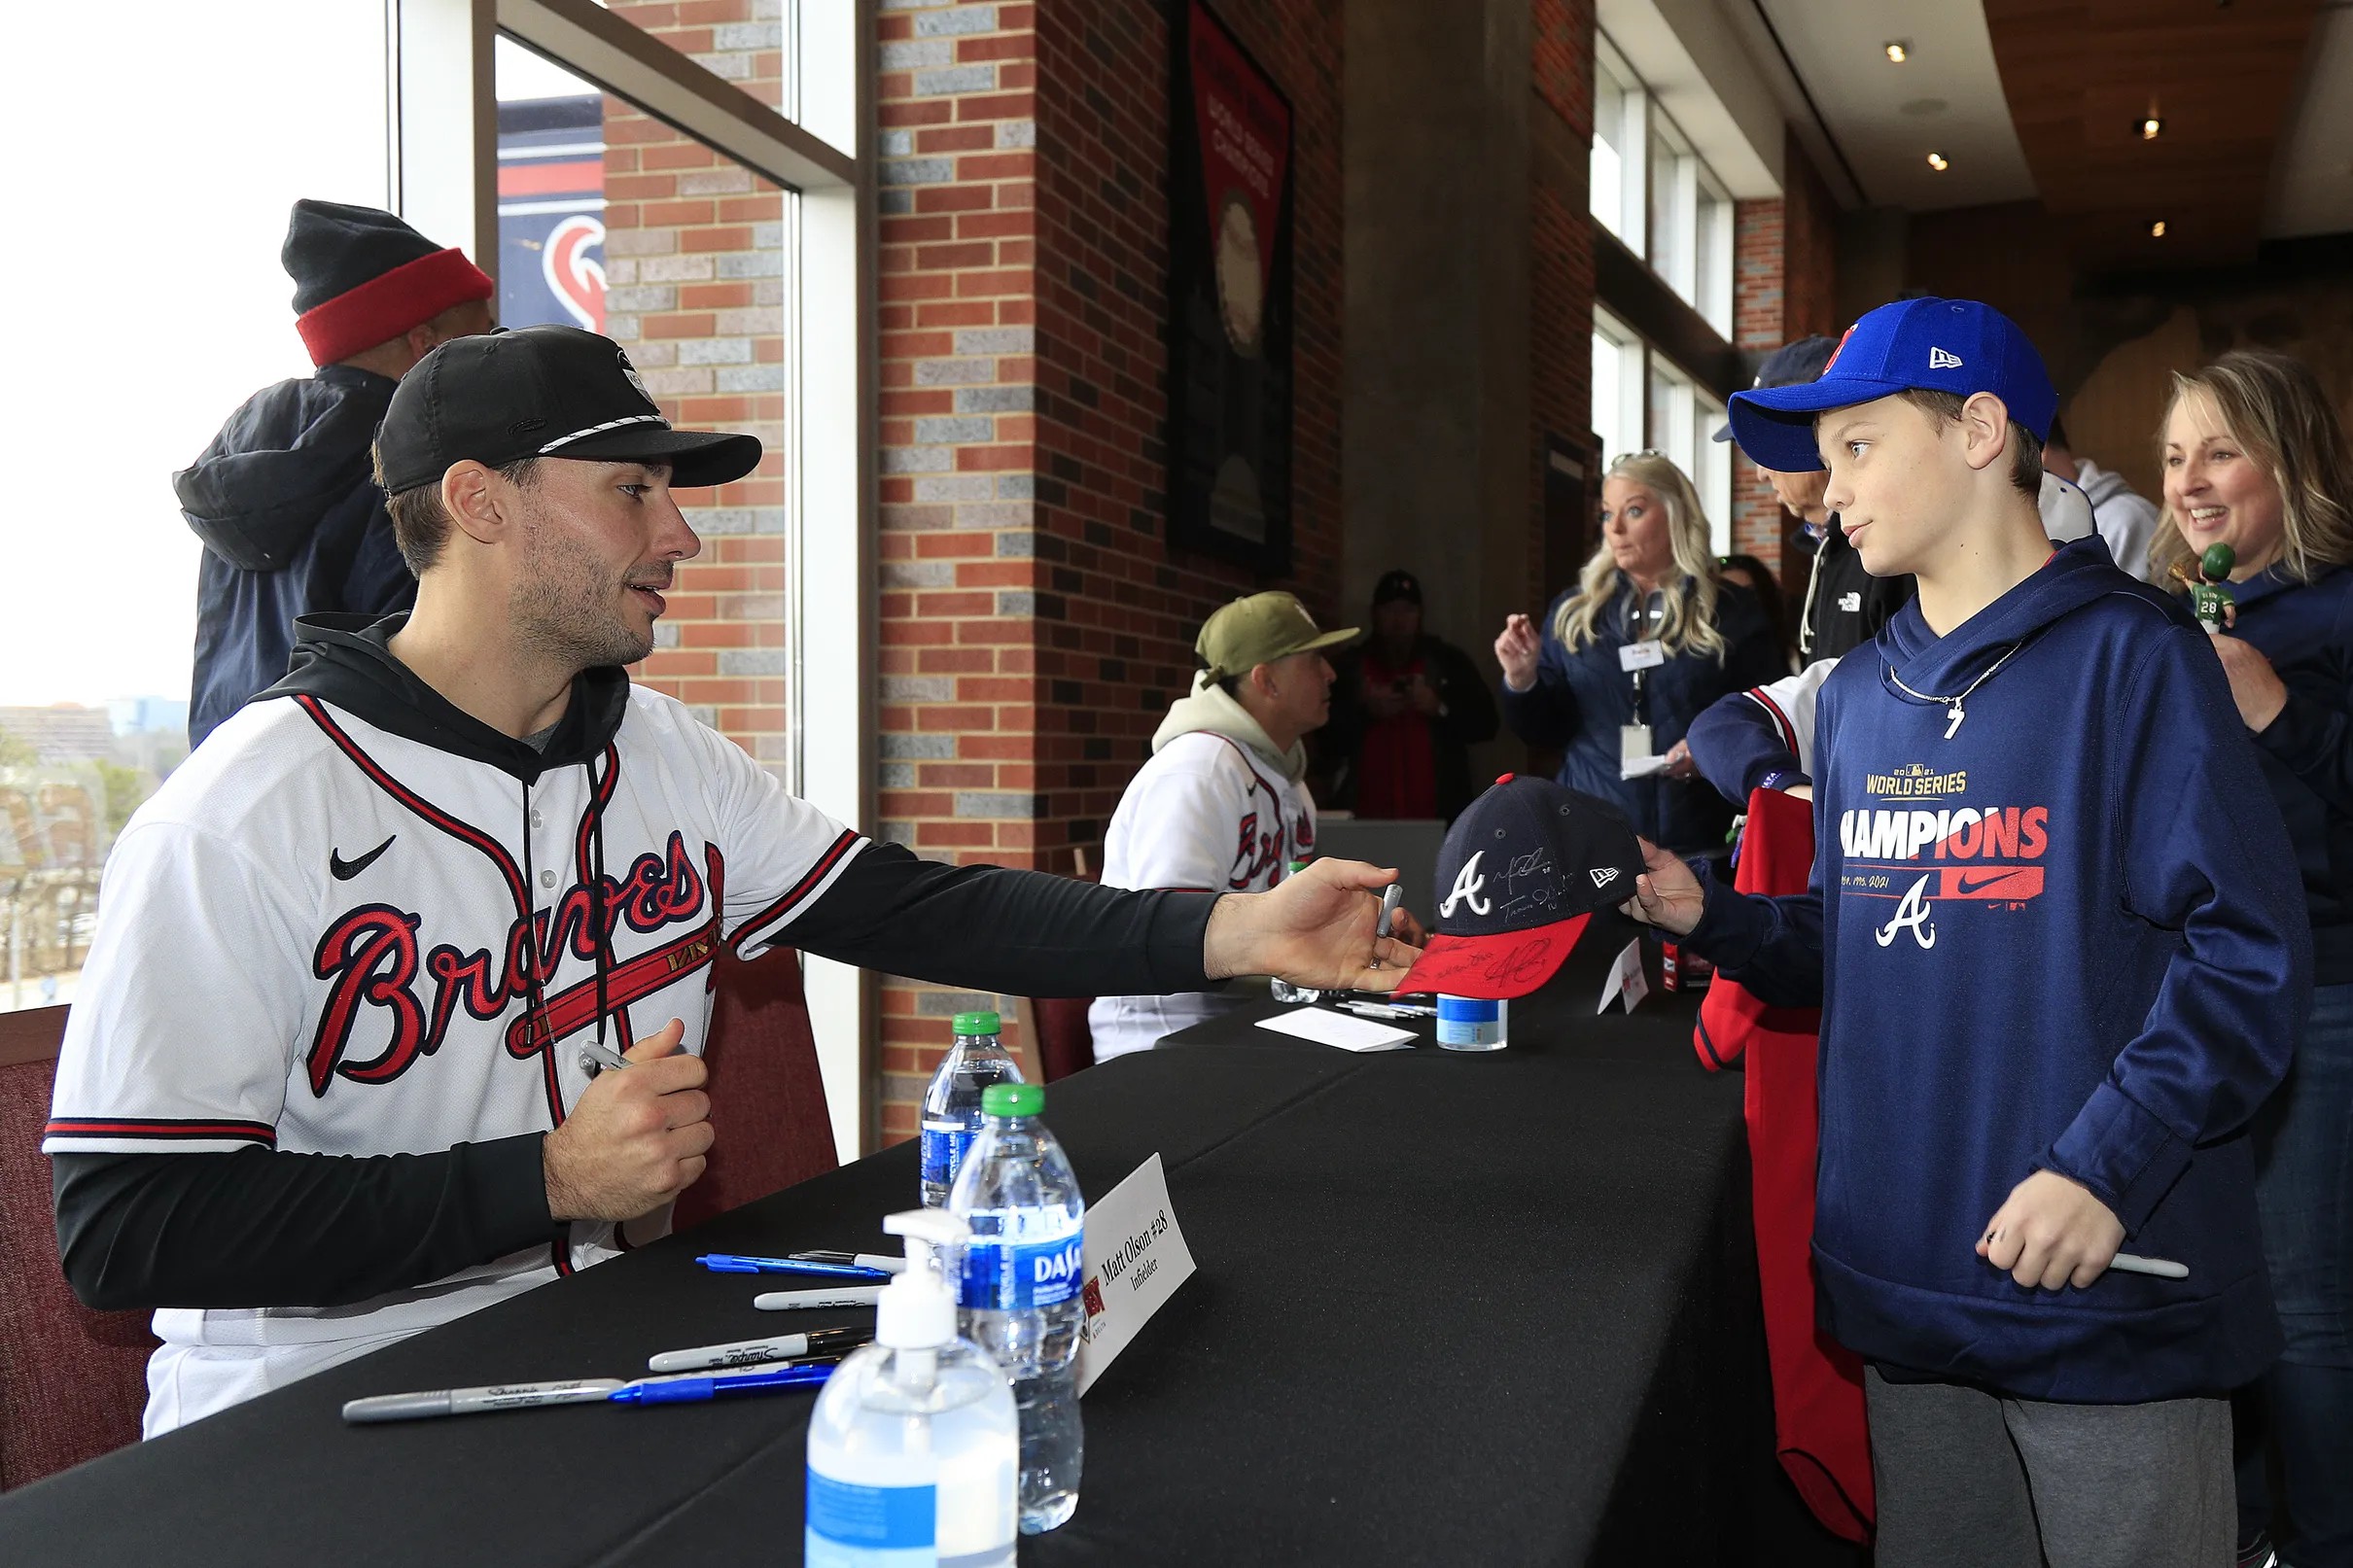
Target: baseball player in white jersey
[332, 1075]
[1221, 805]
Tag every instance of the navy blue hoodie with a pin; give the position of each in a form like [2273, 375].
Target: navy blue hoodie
[2306, 631]
[292, 524]
[1580, 700]
[2064, 935]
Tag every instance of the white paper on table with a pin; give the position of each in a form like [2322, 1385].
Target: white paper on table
[1626, 979]
[1135, 1258]
[1640, 767]
[1327, 1028]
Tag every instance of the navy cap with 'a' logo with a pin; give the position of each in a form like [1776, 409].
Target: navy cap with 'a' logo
[1932, 345]
[1523, 869]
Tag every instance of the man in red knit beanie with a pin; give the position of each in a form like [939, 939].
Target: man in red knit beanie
[290, 517]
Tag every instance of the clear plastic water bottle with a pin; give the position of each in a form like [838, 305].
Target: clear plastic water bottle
[1283, 990]
[914, 1447]
[951, 1117]
[1020, 1296]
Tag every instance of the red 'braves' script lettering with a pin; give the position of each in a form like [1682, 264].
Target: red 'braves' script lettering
[369, 959]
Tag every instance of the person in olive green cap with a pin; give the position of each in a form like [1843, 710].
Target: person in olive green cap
[1220, 806]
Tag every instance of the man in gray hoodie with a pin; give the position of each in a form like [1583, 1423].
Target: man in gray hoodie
[2126, 519]
[1220, 806]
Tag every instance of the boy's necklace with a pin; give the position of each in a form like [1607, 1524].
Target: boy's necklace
[1955, 703]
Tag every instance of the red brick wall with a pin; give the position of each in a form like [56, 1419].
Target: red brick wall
[1035, 624]
[695, 274]
[1784, 283]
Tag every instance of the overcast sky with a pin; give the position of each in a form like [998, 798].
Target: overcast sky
[145, 300]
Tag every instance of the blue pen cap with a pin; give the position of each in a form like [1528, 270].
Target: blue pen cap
[1932, 345]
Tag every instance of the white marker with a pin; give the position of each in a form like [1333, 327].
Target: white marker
[753, 1352]
[793, 1300]
[1376, 1010]
[470, 1401]
[2162, 1267]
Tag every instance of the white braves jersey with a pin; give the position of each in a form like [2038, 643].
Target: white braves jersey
[312, 939]
[1789, 704]
[1206, 814]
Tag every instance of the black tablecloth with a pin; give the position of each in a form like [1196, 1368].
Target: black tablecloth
[1449, 1310]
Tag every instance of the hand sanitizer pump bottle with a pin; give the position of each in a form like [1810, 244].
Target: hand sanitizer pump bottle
[915, 1445]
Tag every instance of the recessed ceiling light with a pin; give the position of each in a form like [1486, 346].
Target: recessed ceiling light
[1936, 162]
[1898, 50]
[2157, 229]
[2151, 127]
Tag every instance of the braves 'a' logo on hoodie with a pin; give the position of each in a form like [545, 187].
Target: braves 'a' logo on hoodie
[1937, 852]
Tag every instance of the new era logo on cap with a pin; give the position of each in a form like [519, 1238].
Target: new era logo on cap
[1939, 359]
[1524, 867]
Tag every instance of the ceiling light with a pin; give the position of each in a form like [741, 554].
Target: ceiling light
[1898, 50]
[2157, 229]
[1936, 162]
[2150, 127]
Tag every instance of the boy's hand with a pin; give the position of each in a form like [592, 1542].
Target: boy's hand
[1668, 895]
[2051, 1231]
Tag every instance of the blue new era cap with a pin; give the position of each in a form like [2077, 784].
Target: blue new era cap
[1936, 345]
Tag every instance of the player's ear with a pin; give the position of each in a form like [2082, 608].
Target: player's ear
[471, 495]
[1985, 429]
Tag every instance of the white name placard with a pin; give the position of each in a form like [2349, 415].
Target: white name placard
[1135, 1258]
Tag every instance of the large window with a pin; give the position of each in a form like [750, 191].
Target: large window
[663, 178]
[1642, 400]
[152, 311]
[1656, 193]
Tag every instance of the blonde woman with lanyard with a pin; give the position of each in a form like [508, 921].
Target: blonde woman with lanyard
[2254, 458]
[1646, 640]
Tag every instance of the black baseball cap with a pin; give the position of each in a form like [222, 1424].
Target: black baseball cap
[1524, 867]
[1791, 364]
[1395, 585]
[540, 392]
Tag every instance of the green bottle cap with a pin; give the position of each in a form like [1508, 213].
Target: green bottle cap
[1294, 868]
[977, 1023]
[1012, 1099]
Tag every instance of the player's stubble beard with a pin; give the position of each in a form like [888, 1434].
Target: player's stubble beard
[565, 605]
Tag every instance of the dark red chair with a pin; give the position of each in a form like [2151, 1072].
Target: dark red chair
[73, 1383]
[1060, 1036]
[767, 1097]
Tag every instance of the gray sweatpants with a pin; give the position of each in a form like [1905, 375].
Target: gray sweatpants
[1968, 1480]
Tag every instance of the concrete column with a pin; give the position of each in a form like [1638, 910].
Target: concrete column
[1435, 463]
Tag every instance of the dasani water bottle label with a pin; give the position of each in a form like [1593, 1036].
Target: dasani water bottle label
[1013, 1276]
[943, 1153]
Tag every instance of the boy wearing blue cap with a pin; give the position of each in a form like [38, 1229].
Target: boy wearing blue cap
[2055, 929]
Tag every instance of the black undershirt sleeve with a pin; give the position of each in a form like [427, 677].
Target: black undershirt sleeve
[995, 928]
[262, 1228]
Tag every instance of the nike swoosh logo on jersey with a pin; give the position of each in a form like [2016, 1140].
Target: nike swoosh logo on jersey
[343, 870]
[1965, 887]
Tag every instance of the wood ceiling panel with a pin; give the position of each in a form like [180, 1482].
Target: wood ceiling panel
[2080, 74]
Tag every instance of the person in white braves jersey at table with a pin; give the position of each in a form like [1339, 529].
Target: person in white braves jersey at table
[332, 1076]
[1220, 806]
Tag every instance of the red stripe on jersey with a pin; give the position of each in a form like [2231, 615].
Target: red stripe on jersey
[462, 831]
[167, 1127]
[801, 890]
[1789, 731]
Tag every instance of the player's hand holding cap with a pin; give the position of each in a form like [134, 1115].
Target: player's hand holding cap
[1524, 867]
[540, 392]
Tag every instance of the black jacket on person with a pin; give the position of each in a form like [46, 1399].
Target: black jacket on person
[1581, 699]
[1845, 606]
[1466, 716]
[292, 524]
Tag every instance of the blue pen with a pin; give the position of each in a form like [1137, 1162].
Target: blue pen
[691, 1389]
[727, 1262]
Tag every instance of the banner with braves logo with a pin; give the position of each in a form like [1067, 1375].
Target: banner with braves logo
[1230, 288]
[551, 206]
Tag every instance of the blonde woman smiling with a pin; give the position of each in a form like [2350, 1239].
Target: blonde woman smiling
[1628, 658]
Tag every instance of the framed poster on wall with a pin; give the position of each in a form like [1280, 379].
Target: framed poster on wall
[1230, 299]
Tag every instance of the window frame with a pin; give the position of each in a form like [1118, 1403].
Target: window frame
[444, 104]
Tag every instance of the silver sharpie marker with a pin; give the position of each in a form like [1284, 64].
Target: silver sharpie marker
[790, 1301]
[419, 1406]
